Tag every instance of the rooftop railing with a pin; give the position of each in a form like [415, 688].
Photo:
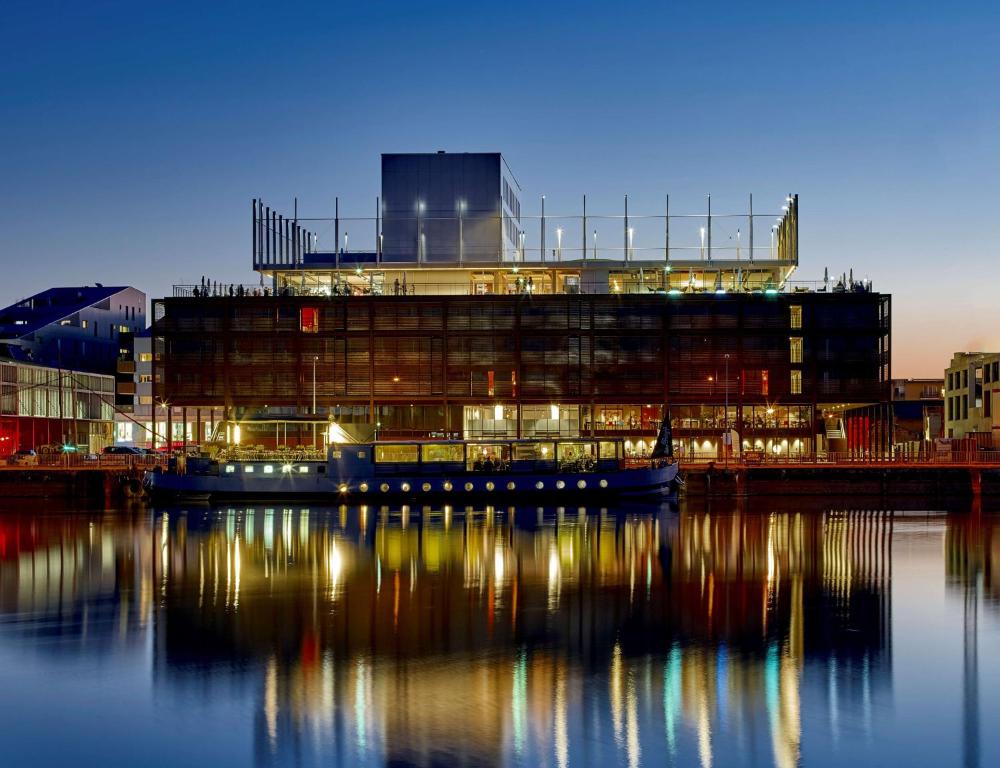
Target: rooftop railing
[467, 236]
[365, 284]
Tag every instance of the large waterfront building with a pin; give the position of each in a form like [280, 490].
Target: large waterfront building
[547, 325]
[972, 397]
[58, 353]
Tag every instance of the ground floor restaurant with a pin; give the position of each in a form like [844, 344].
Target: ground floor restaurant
[18, 433]
[700, 432]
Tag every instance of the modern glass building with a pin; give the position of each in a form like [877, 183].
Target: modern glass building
[535, 325]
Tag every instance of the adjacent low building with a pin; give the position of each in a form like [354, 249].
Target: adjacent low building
[972, 397]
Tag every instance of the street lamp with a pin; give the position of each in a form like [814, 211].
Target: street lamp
[630, 256]
[558, 243]
[702, 232]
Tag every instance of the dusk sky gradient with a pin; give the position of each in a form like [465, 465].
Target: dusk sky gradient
[134, 135]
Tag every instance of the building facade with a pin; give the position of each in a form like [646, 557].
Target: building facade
[972, 396]
[566, 335]
[59, 352]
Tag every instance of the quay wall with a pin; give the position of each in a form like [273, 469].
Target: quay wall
[940, 482]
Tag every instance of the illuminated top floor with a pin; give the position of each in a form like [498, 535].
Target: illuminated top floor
[456, 223]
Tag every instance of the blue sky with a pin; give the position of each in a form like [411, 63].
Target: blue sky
[134, 135]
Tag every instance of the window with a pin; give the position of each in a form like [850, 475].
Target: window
[795, 316]
[396, 453]
[988, 404]
[145, 399]
[443, 452]
[796, 382]
[146, 357]
[795, 349]
[65, 321]
[764, 383]
[309, 319]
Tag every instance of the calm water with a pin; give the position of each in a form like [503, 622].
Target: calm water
[770, 634]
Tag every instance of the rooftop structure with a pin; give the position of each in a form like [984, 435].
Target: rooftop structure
[453, 224]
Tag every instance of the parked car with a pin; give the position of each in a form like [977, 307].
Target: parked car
[119, 450]
[25, 458]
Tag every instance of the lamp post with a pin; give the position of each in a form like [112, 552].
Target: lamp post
[558, 243]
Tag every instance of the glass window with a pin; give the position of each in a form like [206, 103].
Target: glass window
[796, 382]
[396, 453]
[309, 319]
[795, 316]
[795, 349]
[576, 457]
[608, 449]
[488, 458]
[534, 451]
[443, 452]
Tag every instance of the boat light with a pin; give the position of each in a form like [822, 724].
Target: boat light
[560, 484]
[581, 484]
[539, 485]
[426, 487]
[342, 488]
[405, 487]
[468, 486]
[490, 486]
[286, 468]
[511, 486]
[447, 485]
[603, 483]
[384, 487]
[363, 487]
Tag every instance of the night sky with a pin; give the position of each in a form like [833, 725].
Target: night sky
[134, 135]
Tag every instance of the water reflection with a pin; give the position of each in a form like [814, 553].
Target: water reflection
[561, 637]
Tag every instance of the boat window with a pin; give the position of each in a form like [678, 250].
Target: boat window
[230, 468]
[248, 469]
[576, 457]
[534, 451]
[396, 454]
[303, 470]
[608, 449]
[488, 457]
[443, 452]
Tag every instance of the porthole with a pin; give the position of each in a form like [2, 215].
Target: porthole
[384, 487]
[405, 487]
[426, 487]
[468, 486]
[490, 486]
[560, 484]
[447, 485]
[581, 484]
[604, 483]
[363, 487]
[539, 485]
[511, 486]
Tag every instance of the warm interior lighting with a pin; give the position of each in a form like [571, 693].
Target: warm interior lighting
[554, 411]
[236, 435]
[497, 412]
[335, 434]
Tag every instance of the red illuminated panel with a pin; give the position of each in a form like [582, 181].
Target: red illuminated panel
[309, 320]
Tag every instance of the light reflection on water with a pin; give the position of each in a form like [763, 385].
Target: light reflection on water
[274, 635]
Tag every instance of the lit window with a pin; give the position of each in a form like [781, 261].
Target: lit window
[795, 349]
[248, 469]
[764, 383]
[66, 321]
[83, 323]
[796, 382]
[146, 357]
[795, 316]
[303, 470]
[268, 469]
[286, 468]
[309, 319]
[230, 469]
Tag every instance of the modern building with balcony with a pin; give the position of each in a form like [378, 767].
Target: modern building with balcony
[453, 312]
[58, 358]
